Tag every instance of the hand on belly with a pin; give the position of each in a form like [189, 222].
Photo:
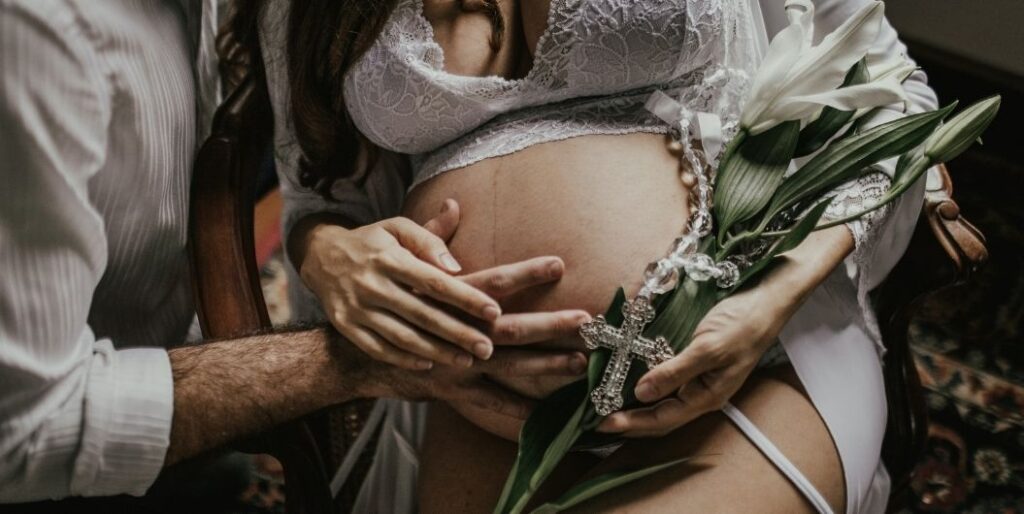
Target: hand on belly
[607, 205]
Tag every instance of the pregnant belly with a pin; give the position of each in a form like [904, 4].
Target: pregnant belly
[607, 205]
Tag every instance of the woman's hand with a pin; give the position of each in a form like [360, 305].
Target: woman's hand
[730, 340]
[726, 347]
[383, 288]
[374, 283]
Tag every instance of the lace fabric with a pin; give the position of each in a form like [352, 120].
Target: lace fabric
[401, 98]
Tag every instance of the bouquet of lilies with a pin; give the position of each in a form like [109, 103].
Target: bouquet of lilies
[807, 102]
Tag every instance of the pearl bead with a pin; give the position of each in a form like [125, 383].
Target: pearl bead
[689, 179]
[675, 147]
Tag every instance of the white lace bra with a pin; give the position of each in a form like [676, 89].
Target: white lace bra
[594, 67]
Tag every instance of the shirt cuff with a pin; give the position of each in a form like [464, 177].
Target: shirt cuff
[129, 404]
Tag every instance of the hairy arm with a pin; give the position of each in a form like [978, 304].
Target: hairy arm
[229, 389]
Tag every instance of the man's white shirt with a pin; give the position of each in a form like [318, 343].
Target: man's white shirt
[102, 105]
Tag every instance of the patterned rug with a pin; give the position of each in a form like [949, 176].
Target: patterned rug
[969, 344]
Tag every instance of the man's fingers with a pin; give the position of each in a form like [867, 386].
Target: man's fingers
[492, 397]
[521, 363]
[423, 243]
[667, 377]
[535, 327]
[446, 222]
[505, 280]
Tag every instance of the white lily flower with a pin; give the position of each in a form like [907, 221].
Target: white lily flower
[898, 68]
[797, 78]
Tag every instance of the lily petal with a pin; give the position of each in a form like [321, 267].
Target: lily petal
[825, 65]
[850, 98]
[778, 60]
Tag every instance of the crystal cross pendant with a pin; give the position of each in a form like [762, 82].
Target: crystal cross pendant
[626, 343]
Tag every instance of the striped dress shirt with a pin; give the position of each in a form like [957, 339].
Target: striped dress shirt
[100, 115]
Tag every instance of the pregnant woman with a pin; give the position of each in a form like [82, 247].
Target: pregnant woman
[526, 121]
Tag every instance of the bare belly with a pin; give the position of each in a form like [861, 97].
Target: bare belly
[607, 205]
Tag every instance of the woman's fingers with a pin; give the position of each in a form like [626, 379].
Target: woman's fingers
[501, 281]
[446, 222]
[434, 283]
[667, 415]
[521, 363]
[375, 346]
[434, 320]
[707, 393]
[407, 337]
[536, 327]
[422, 243]
[667, 377]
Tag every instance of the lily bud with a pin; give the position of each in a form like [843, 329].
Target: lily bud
[959, 133]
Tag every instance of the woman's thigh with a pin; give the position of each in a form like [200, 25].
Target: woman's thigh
[728, 473]
[463, 468]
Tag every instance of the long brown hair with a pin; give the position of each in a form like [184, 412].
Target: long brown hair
[325, 37]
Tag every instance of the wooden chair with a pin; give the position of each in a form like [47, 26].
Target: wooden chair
[945, 250]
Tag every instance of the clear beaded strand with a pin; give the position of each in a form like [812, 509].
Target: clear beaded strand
[663, 275]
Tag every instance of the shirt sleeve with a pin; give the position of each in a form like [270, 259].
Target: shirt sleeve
[77, 417]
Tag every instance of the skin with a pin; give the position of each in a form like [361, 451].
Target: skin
[229, 389]
[594, 212]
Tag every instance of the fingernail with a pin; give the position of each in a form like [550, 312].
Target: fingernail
[421, 364]
[483, 350]
[578, 364]
[609, 425]
[449, 262]
[555, 269]
[583, 317]
[492, 312]
[644, 392]
[466, 361]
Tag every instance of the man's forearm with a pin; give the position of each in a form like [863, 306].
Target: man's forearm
[229, 389]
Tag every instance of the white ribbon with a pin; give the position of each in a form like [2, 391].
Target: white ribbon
[707, 127]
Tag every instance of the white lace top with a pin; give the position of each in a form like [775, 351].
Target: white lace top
[594, 67]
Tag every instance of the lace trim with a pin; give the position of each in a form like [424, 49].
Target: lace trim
[850, 198]
[510, 133]
[854, 196]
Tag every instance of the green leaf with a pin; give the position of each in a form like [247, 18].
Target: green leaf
[845, 159]
[588, 489]
[546, 437]
[956, 135]
[831, 120]
[748, 176]
[908, 170]
[790, 240]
